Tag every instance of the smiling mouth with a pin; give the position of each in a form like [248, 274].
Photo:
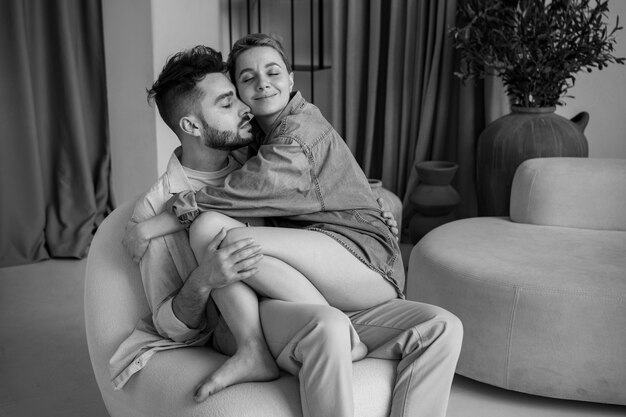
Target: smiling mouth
[266, 96]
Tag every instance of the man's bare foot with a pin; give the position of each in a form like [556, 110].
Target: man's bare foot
[251, 363]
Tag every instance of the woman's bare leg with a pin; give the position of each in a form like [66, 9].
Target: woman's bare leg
[252, 361]
[275, 278]
[317, 264]
[345, 281]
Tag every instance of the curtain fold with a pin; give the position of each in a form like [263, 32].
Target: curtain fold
[396, 100]
[55, 149]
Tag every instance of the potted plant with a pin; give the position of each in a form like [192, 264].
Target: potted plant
[537, 47]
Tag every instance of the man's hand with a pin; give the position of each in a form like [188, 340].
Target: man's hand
[219, 266]
[391, 222]
[134, 241]
[223, 265]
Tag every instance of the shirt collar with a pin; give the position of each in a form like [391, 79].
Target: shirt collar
[177, 180]
[295, 103]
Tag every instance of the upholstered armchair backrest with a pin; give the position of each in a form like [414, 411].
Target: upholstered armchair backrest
[586, 193]
[114, 297]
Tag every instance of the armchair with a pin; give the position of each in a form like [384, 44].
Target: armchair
[114, 303]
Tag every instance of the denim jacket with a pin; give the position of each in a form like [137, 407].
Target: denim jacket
[304, 176]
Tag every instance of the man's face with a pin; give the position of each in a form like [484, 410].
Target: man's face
[225, 120]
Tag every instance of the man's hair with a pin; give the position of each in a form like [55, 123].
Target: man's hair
[175, 92]
[250, 41]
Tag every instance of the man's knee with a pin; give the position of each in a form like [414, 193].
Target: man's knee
[331, 326]
[452, 334]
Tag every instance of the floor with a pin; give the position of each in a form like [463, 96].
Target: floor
[45, 368]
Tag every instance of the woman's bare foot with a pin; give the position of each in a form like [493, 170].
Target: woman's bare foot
[251, 363]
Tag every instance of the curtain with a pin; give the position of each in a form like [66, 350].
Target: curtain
[396, 100]
[55, 157]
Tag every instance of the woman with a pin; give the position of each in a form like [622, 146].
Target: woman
[306, 179]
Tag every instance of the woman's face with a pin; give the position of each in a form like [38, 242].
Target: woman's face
[263, 83]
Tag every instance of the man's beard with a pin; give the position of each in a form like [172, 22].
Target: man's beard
[223, 139]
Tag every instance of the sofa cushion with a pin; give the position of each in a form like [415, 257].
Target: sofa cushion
[572, 192]
[543, 307]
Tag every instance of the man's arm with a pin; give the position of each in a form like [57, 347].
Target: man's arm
[164, 262]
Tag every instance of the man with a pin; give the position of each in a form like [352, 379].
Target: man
[179, 304]
[425, 339]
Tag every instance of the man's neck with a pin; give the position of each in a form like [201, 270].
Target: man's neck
[204, 159]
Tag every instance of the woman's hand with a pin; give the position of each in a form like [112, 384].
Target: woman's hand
[391, 222]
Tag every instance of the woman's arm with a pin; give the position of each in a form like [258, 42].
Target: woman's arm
[275, 182]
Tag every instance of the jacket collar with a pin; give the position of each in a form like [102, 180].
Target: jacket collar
[295, 103]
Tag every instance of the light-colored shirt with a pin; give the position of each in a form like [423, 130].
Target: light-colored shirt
[165, 266]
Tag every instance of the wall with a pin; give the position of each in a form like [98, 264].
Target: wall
[603, 95]
[128, 53]
[178, 25]
[139, 35]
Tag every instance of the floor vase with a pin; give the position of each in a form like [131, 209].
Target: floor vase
[434, 198]
[523, 134]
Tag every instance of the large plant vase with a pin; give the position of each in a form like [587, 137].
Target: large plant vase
[523, 134]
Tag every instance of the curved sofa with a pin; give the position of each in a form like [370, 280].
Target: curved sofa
[542, 293]
[115, 301]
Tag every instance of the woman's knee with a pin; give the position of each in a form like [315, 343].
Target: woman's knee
[205, 227]
[235, 233]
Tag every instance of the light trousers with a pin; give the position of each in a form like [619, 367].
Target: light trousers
[315, 342]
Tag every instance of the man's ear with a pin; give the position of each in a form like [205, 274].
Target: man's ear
[189, 125]
[291, 81]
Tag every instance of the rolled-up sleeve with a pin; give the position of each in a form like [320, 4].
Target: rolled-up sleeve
[169, 326]
[183, 205]
[164, 266]
[162, 282]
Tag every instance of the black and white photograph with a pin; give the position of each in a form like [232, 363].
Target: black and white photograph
[313, 208]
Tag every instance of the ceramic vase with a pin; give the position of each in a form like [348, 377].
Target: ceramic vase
[393, 201]
[510, 140]
[434, 198]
